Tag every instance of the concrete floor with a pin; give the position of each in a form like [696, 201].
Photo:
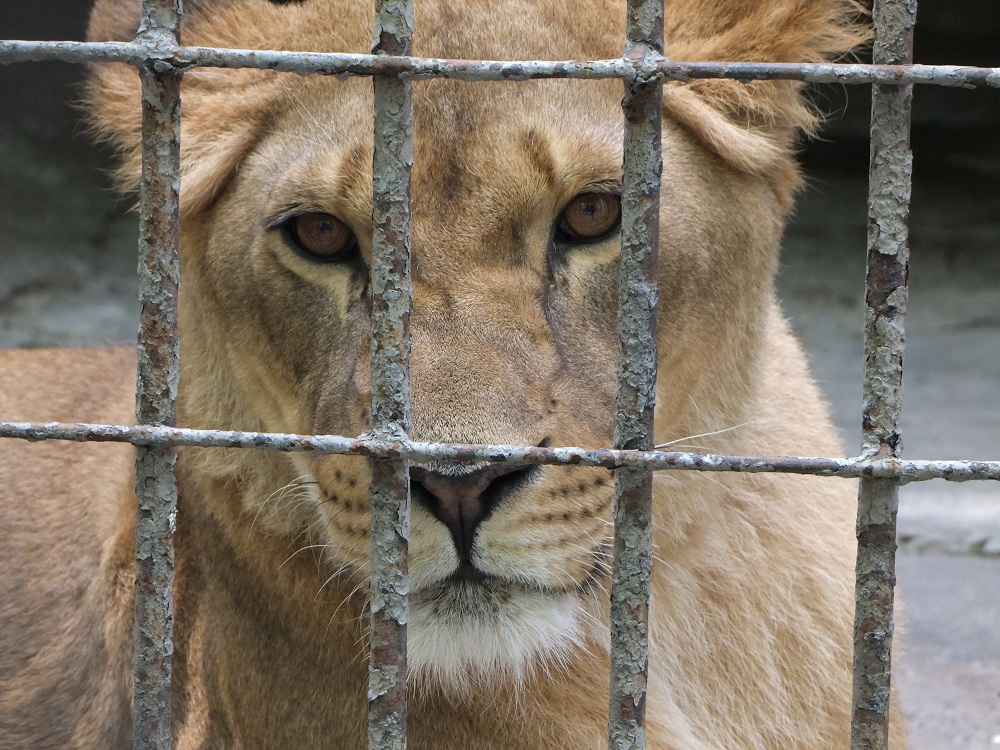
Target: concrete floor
[67, 278]
[948, 674]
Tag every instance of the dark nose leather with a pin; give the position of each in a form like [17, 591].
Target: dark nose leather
[461, 502]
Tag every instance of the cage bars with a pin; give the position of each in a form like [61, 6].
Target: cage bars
[418, 68]
[418, 452]
[158, 371]
[392, 303]
[885, 308]
[160, 60]
[637, 298]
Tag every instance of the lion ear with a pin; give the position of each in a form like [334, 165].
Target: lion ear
[222, 113]
[754, 31]
[752, 150]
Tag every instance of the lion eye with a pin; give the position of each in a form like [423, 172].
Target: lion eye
[320, 236]
[589, 216]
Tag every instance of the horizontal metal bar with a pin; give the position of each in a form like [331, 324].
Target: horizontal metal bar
[853, 467]
[342, 64]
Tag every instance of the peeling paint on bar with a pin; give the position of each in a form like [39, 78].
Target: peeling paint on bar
[417, 452]
[414, 68]
[392, 304]
[885, 308]
[637, 303]
[156, 393]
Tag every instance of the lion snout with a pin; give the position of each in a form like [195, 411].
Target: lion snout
[461, 501]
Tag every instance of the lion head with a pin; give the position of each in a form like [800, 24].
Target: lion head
[515, 216]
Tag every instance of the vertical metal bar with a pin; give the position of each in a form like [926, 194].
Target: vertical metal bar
[392, 303]
[885, 307]
[158, 354]
[630, 588]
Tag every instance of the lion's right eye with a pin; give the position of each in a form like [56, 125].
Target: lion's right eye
[320, 236]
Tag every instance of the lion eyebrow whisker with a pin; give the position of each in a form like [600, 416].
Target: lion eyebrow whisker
[323, 132]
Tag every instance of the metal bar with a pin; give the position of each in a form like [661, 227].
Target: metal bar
[885, 302]
[392, 304]
[849, 468]
[158, 355]
[637, 297]
[414, 68]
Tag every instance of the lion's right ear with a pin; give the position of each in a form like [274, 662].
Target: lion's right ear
[222, 112]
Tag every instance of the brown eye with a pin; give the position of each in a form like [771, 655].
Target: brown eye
[589, 216]
[321, 236]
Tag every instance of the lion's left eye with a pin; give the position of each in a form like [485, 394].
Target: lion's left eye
[588, 217]
[320, 236]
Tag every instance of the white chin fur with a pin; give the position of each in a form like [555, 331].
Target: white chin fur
[469, 636]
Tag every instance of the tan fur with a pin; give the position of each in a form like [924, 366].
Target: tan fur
[752, 604]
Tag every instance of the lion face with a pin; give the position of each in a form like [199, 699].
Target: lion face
[515, 245]
[514, 342]
[514, 337]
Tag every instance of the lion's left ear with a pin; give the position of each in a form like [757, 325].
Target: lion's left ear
[749, 149]
[753, 124]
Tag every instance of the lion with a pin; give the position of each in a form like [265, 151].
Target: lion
[516, 212]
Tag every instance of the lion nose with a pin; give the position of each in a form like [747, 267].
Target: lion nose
[462, 501]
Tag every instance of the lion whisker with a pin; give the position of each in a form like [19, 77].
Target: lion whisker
[279, 494]
[709, 434]
[302, 549]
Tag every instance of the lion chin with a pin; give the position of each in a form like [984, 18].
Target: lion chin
[469, 636]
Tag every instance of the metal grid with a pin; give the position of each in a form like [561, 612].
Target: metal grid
[157, 53]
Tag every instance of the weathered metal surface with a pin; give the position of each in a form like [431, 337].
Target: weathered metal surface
[637, 304]
[160, 23]
[156, 394]
[417, 452]
[392, 304]
[885, 308]
[342, 64]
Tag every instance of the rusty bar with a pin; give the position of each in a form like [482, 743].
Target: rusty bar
[392, 303]
[637, 297]
[345, 64]
[885, 308]
[158, 354]
[848, 468]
